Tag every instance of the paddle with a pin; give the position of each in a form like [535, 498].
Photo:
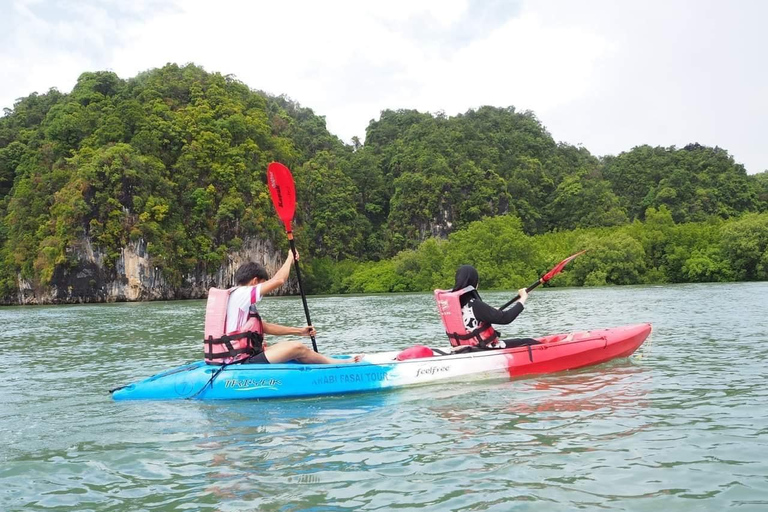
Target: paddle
[283, 192]
[546, 277]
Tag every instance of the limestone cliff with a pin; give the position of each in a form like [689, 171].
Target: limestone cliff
[135, 278]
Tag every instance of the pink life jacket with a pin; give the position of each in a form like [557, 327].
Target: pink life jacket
[221, 347]
[449, 307]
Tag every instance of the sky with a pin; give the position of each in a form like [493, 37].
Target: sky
[608, 75]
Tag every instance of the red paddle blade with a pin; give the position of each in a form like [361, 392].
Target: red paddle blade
[283, 192]
[559, 267]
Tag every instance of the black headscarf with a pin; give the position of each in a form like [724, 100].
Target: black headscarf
[466, 275]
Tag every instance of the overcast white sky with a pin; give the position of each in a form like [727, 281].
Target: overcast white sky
[610, 75]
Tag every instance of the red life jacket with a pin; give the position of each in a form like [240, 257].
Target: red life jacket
[221, 347]
[449, 307]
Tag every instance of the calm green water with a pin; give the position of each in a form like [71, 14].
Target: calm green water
[684, 426]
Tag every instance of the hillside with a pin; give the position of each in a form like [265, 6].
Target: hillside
[154, 186]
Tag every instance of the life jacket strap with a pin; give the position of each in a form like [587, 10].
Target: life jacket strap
[256, 345]
[474, 334]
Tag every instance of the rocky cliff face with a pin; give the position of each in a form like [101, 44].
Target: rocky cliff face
[135, 278]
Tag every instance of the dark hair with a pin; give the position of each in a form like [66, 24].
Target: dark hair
[248, 271]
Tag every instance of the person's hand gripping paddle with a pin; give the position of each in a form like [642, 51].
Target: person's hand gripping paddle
[283, 192]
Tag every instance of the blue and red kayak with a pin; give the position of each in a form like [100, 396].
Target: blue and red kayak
[383, 370]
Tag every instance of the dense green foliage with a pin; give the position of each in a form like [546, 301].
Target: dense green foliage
[655, 251]
[176, 158]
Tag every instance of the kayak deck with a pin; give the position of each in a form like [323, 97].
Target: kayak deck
[382, 371]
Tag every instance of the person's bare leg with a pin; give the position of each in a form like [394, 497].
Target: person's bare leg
[295, 350]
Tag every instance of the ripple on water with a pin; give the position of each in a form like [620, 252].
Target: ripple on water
[681, 427]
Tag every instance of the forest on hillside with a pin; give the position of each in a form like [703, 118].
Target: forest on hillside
[177, 156]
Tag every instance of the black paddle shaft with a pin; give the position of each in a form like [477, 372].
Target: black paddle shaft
[546, 277]
[517, 297]
[301, 288]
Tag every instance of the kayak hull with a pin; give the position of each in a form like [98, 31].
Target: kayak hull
[381, 371]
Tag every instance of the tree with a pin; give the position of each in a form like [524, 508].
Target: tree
[613, 259]
[745, 244]
[498, 248]
[329, 208]
[585, 199]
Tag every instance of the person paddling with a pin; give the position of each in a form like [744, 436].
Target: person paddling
[244, 341]
[468, 320]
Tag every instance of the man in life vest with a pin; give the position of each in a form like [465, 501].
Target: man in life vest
[234, 331]
[467, 319]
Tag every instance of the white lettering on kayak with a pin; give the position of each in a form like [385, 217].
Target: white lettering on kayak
[351, 378]
[251, 383]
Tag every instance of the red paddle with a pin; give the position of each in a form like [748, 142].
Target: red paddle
[283, 192]
[546, 277]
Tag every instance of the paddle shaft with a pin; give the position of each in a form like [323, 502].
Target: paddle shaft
[546, 277]
[517, 297]
[301, 287]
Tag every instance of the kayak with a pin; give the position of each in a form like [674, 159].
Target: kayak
[555, 353]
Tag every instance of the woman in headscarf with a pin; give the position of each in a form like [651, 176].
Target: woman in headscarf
[475, 312]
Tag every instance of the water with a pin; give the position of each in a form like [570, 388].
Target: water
[681, 426]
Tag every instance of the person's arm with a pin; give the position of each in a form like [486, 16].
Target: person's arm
[491, 315]
[280, 277]
[284, 330]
